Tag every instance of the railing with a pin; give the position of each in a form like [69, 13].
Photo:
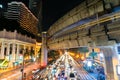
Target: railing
[15, 35]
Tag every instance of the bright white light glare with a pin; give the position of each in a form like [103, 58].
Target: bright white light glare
[66, 52]
[101, 54]
[118, 70]
[1, 6]
[21, 57]
[119, 57]
[84, 61]
[34, 59]
[7, 57]
[89, 63]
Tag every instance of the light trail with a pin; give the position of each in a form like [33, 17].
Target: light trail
[17, 75]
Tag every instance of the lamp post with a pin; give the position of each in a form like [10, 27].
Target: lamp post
[22, 70]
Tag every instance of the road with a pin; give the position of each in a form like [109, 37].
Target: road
[80, 74]
[17, 74]
[62, 65]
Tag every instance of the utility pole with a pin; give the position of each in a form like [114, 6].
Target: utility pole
[22, 69]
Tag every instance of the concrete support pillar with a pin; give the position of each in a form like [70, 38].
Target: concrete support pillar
[29, 50]
[61, 52]
[24, 48]
[34, 48]
[116, 61]
[110, 62]
[18, 51]
[2, 50]
[44, 50]
[13, 52]
[8, 50]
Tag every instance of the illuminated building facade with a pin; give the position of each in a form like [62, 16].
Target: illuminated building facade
[18, 11]
[1, 10]
[36, 8]
[14, 45]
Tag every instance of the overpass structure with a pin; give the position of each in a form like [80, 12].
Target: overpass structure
[93, 23]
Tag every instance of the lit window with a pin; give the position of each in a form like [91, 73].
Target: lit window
[1, 6]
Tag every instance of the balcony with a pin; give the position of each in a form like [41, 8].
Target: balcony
[16, 36]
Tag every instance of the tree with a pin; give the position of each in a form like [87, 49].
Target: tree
[26, 53]
[32, 53]
[93, 54]
[83, 49]
[53, 54]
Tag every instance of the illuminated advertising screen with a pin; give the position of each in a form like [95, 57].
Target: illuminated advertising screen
[118, 69]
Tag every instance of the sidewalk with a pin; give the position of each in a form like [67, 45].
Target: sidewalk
[8, 69]
[11, 68]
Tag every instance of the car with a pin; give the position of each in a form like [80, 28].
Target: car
[72, 76]
[75, 72]
[34, 71]
[63, 72]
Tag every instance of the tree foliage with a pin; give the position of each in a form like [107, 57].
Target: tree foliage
[83, 49]
[53, 54]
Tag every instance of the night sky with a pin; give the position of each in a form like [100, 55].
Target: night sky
[4, 2]
[52, 10]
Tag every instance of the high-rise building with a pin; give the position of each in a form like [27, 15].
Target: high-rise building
[1, 10]
[13, 11]
[36, 8]
[18, 11]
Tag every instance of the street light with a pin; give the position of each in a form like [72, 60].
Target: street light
[22, 69]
